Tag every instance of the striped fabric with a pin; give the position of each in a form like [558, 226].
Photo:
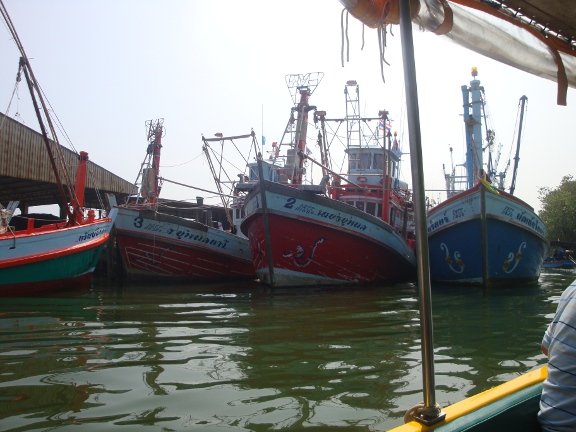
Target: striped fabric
[558, 401]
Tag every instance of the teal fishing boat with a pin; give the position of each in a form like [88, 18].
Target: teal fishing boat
[42, 257]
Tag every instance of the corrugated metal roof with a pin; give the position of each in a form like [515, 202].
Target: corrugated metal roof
[26, 173]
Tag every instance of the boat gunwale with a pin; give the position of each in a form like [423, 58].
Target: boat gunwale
[473, 189]
[473, 403]
[45, 256]
[492, 216]
[320, 200]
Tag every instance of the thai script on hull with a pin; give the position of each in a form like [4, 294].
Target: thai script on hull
[344, 221]
[186, 234]
[179, 233]
[89, 235]
[308, 209]
[437, 224]
[531, 223]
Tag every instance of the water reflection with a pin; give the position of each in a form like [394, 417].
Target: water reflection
[246, 357]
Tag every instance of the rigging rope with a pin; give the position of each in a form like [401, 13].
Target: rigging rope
[18, 79]
[196, 188]
[184, 163]
[344, 33]
[382, 47]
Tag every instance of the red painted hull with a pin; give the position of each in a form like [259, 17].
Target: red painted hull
[315, 240]
[153, 258]
[328, 257]
[163, 247]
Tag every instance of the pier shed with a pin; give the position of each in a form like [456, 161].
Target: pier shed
[26, 174]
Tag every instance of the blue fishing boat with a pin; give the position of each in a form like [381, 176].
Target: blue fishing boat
[483, 235]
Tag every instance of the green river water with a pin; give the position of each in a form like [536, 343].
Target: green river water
[243, 357]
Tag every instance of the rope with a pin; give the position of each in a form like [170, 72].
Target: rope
[344, 33]
[183, 163]
[196, 188]
[96, 190]
[382, 43]
[420, 410]
[18, 79]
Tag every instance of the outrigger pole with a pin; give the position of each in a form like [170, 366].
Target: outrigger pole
[523, 100]
[431, 412]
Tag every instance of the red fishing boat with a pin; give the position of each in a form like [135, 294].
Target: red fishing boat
[156, 245]
[337, 231]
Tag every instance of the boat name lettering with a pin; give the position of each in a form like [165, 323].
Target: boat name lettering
[88, 235]
[508, 211]
[303, 208]
[186, 234]
[342, 220]
[530, 223]
[153, 227]
[457, 213]
[437, 224]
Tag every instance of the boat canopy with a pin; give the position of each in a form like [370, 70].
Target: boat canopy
[538, 37]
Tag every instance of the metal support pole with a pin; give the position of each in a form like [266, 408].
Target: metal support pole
[432, 412]
[262, 186]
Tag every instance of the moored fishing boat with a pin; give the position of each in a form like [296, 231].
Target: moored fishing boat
[40, 257]
[517, 412]
[483, 235]
[300, 236]
[52, 257]
[159, 246]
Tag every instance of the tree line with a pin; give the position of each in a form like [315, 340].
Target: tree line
[559, 210]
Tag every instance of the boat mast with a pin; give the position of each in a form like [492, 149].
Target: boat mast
[523, 100]
[353, 119]
[301, 130]
[32, 87]
[304, 85]
[155, 132]
[473, 121]
[40, 108]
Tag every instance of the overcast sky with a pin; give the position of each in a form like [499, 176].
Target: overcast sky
[107, 66]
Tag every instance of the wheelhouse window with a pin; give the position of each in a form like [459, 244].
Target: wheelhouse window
[371, 208]
[352, 161]
[365, 159]
[253, 173]
[378, 158]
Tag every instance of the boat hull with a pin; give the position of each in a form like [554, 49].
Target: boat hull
[51, 258]
[559, 264]
[315, 240]
[482, 238]
[512, 406]
[167, 248]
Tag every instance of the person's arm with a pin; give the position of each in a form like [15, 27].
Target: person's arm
[545, 344]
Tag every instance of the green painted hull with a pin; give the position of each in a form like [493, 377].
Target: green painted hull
[64, 272]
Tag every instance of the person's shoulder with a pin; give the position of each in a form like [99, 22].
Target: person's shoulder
[569, 293]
